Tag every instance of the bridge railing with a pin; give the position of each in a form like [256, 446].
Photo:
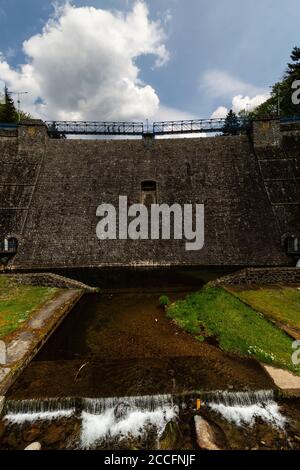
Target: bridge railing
[94, 128]
[62, 128]
[195, 126]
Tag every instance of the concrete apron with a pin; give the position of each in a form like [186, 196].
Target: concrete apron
[287, 383]
[26, 343]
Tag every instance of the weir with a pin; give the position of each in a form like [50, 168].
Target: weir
[109, 421]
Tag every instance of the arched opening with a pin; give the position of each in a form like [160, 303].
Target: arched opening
[9, 245]
[148, 192]
[292, 245]
[12, 245]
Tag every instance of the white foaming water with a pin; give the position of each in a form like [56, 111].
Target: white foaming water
[20, 418]
[21, 411]
[244, 407]
[118, 418]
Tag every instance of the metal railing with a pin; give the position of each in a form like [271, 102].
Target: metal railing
[61, 128]
[197, 126]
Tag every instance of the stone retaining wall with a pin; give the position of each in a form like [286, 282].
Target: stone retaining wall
[261, 276]
[48, 280]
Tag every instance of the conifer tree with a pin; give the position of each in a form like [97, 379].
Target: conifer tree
[280, 102]
[8, 113]
[231, 126]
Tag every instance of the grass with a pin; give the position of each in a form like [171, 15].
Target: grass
[281, 304]
[17, 303]
[237, 328]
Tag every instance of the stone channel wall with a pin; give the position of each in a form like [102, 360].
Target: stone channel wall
[48, 280]
[260, 276]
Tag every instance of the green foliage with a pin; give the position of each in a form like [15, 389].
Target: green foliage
[200, 338]
[280, 101]
[231, 126]
[17, 303]
[8, 112]
[236, 327]
[164, 301]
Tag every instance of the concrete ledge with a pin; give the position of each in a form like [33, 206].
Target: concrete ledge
[26, 342]
[288, 383]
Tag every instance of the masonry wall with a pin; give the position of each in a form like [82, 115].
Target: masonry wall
[50, 190]
[277, 147]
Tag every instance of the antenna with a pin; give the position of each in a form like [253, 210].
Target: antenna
[19, 93]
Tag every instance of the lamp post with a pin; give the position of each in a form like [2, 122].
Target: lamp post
[19, 93]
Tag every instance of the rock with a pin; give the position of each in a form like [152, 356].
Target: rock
[206, 438]
[2, 429]
[34, 446]
[31, 435]
[12, 440]
[55, 434]
[171, 437]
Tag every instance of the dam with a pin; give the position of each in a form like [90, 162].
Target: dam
[50, 190]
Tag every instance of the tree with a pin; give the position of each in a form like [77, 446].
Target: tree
[8, 113]
[280, 102]
[231, 126]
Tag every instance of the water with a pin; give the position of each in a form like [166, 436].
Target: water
[22, 411]
[119, 344]
[142, 422]
[104, 421]
[114, 419]
[243, 408]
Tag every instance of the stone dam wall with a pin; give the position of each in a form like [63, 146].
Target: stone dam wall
[50, 190]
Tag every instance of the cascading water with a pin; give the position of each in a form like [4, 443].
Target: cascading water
[111, 419]
[138, 421]
[21, 411]
[103, 420]
[242, 408]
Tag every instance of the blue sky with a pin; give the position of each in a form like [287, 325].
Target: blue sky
[246, 45]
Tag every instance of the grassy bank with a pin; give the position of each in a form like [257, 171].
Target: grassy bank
[280, 304]
[17, 303]
[236, 327]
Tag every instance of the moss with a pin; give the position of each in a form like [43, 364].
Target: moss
[237, 327]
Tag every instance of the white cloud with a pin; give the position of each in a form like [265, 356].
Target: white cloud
[240, 102]
[82, 65]
[166, 113]
[222, 85]
[220, 112]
